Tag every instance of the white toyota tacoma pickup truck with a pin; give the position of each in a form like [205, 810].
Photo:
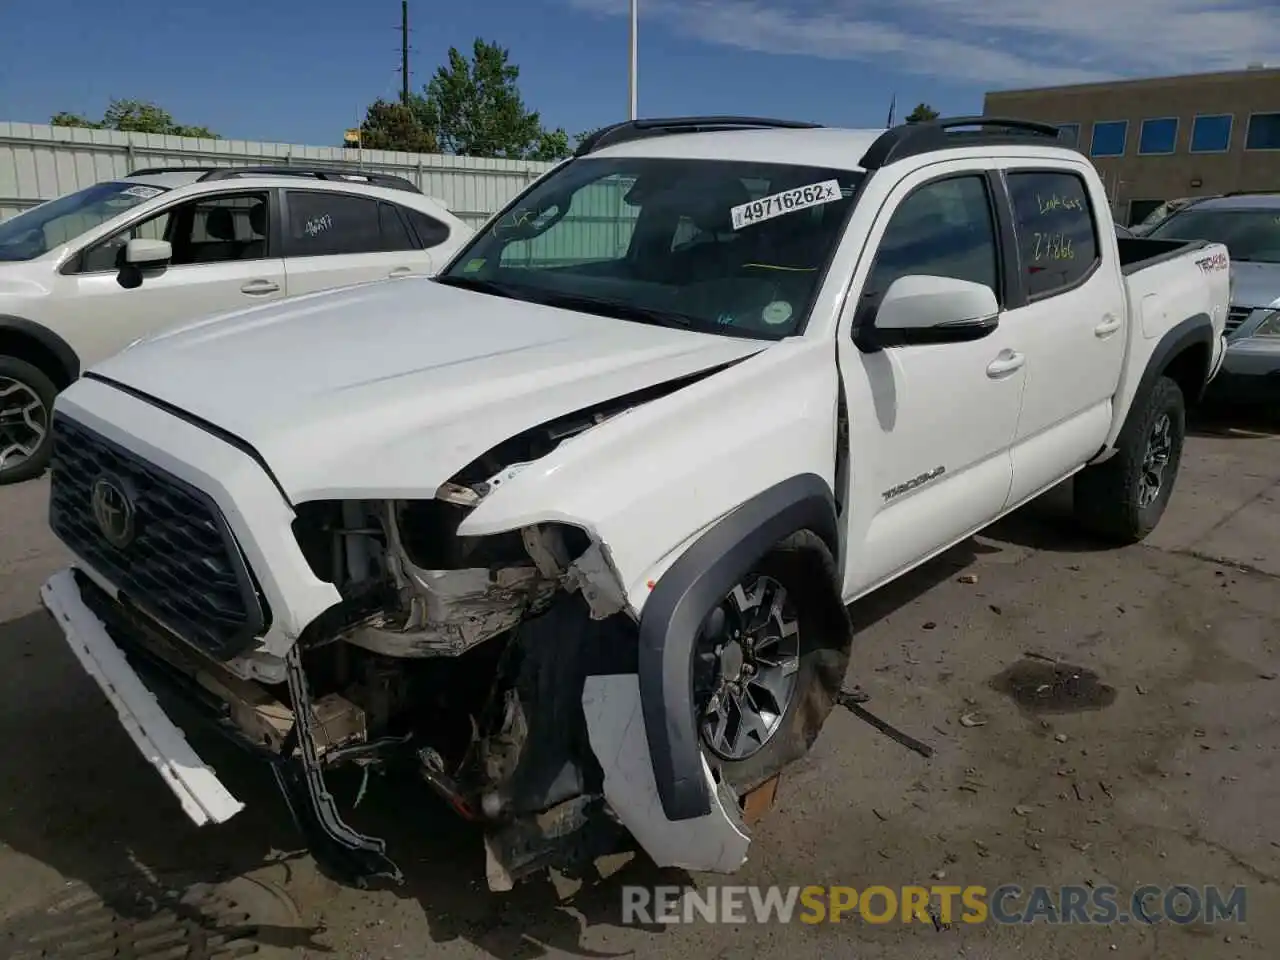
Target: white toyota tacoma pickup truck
[569, 531]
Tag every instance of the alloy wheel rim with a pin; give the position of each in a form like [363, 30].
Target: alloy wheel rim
[24, 423]
[1155, 461]
[748, 661]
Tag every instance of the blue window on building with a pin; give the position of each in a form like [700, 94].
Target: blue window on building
[1109, 138]
[1211, 133]
[1264, 132]
[1071, 131]
[1158, 136]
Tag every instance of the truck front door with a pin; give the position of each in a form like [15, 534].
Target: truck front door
[930, 425]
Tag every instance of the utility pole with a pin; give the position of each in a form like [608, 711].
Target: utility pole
[635, 24]
[404, 52]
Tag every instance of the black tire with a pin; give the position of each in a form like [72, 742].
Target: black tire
[38, 385]
[1108, 496]
[804, 567]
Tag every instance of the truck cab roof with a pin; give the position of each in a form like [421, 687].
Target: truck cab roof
[786, 141]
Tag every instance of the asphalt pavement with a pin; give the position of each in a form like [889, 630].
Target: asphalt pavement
[1156, 765]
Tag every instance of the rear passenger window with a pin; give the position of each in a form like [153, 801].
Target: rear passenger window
[431, 232]
[943, 229]
[325, 224]
[395, 235]
[1057, 233]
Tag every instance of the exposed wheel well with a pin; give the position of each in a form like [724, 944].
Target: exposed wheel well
[25, 347]
[1188, 369]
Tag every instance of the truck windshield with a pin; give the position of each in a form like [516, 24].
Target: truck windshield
[35, 232]
[736, 248]
[1249, 235]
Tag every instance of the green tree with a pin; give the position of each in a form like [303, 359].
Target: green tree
[921, 112]
[394, 126]
[134, 116]
[552, 145]
[474, 108]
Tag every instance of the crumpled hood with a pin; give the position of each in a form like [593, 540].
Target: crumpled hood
[1254, 284]
[385, 390]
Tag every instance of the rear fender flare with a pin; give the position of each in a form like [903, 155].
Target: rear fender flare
[676, 608]
[1196, 330]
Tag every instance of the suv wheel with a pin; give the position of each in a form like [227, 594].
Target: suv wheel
[26, 405]
[1124, 498]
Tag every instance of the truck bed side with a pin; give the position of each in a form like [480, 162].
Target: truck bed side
[1169, 285]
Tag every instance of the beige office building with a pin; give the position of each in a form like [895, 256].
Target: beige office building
[1166, 137]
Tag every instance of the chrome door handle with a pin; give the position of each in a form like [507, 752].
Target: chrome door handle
[256, 288]
[400, 272]
[1107, 327]
[1006, 363]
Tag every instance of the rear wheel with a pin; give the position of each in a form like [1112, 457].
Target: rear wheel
[770, 660]
[1124, 498]
[26, 405]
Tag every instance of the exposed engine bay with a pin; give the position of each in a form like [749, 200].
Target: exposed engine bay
[461, 659]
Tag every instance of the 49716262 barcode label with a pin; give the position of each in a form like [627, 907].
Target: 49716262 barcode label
[788, 201]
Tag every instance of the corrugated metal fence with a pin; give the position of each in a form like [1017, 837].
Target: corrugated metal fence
[38, 163]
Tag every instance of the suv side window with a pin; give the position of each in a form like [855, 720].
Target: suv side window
[395, 235]
[212, 228]
[944, 229]
[431, 232]
[331, 223]
[1057, 229]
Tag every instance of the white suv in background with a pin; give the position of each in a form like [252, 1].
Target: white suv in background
[83, 276]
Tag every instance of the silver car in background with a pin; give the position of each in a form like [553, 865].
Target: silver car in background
[1249, 226]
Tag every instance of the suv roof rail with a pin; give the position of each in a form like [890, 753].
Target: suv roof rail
[319, 173]
[147, 171]
[926, 136]
[629, 130]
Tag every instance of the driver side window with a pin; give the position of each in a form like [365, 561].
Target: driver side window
[943, 229]
[105, 255]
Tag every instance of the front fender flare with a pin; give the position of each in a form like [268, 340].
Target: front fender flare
[48, 341]
[675, 610]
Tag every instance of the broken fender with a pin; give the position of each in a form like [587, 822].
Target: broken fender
[647, 483]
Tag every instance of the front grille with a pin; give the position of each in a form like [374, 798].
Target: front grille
[1235, 317]
[182, 566]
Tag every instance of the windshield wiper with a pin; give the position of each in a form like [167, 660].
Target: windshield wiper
[481, 286]
[620, 309]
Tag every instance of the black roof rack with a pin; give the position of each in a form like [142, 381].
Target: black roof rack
[319, 173]
[926, 136]
[147, 171]
[629, 130]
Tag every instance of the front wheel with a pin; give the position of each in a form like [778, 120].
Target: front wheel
[26, 404]
[1124, 498]
[769, 662]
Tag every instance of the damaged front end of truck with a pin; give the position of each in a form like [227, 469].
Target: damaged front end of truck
[503, 671]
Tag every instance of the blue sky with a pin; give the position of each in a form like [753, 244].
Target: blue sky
[299, 72]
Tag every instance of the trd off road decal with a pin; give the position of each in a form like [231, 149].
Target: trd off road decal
[788, 201]
[1218, 261]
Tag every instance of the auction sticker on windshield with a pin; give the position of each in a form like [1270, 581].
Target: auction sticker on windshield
[788, 201]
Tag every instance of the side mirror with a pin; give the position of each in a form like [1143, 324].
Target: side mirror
[148, 253]
[922, 309]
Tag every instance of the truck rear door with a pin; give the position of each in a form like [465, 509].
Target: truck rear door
[1074, 325]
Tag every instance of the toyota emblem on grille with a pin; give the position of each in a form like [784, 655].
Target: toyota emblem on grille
[113, 511]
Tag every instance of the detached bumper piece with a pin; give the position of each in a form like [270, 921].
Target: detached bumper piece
[193, 782]
[120, 651]
[301, 780]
